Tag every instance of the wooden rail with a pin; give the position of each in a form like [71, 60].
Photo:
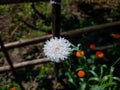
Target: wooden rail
[24, 64]
[71, 33]
[19, 1]
[40, 61]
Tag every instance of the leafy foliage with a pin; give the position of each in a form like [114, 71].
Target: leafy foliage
[9, 86]
[98, 76]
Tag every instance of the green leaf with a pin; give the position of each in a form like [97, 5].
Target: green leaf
[102, 69]
[105, 78]
[69, 76]
[93, 73]
[83, 86]
[105, 85]
[111, 70]
[116, 78]
[97, 87]
[93, 67]
[93, 79]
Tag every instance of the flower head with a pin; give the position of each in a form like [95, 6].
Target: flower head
[92, 46]
[57, 49]
[81, 73]
[116, 36]
[80, 54]
[99, 54]
[13, 88]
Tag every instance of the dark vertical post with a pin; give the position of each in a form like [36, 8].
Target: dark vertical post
[56, 10]
[10, 63]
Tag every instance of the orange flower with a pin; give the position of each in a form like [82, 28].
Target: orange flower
[92, 46]
[116, 36]
[80, 54]
[13, 88]
[81, 73]
[99, 54]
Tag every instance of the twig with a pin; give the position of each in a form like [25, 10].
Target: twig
[104, 47]
[15, 29]
[43, 17]
[29, 25]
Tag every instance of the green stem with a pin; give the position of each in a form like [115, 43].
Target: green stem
[116, 61]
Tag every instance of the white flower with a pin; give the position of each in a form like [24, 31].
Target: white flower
[57, 49]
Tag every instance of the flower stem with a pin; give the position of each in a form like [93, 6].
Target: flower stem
[116, 61]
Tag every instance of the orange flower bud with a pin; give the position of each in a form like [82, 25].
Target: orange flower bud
[92, 46]
[81, 73]
[13, 88]
[80, 54]
[116, 36]
[99, 54]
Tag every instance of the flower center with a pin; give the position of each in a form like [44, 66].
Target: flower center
[57, 48]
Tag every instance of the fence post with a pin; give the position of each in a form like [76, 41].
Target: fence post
[10, 63]
[56, 11]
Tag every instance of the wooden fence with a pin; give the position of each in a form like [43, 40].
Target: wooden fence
[56, 9]
[56, 32]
